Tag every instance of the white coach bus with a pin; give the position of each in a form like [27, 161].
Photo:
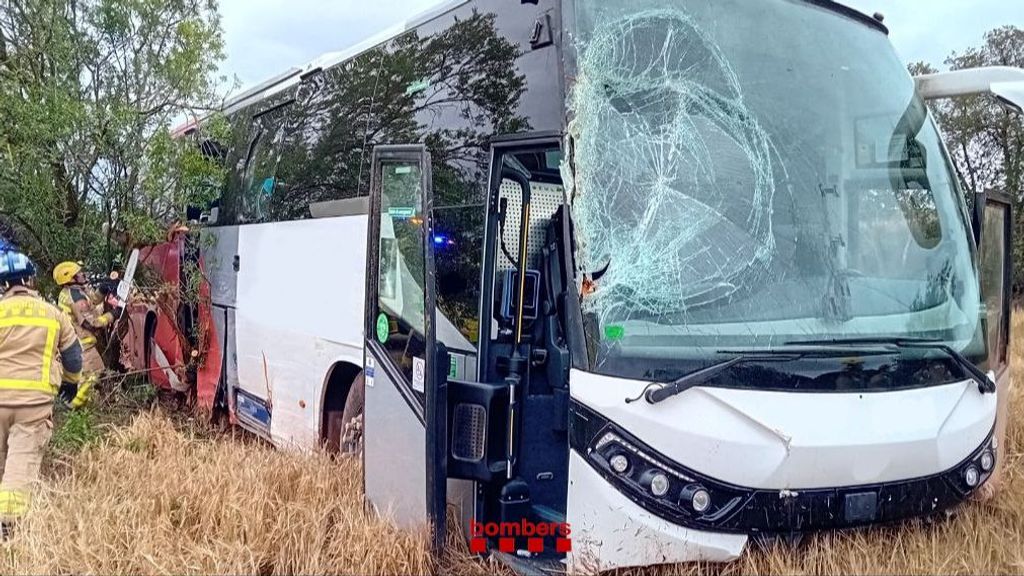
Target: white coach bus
[673, 273]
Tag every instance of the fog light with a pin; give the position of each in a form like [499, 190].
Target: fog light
[619, 463]
[987, 461]
[971, 476]
[701, 501]
[659, 484]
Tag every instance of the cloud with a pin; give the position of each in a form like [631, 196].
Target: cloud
[930, 30]
[266, 37]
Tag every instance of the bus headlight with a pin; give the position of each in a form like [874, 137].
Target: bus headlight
[697, 497]
[619, 463]
[971, 476]
[659, 484]
[979, 468]
[987, 461]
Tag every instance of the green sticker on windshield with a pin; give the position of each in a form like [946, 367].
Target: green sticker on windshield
[614, 332]
[383, 328]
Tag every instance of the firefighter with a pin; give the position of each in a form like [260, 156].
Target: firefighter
[86, 308]
[32, 333]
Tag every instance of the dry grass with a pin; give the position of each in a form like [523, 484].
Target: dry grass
[154, 497]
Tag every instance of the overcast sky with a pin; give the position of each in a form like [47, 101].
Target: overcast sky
[266, 37]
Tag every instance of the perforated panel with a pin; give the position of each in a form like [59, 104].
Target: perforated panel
[545, 200]
[469, 432]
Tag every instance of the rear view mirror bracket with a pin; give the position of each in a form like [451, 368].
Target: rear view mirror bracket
[1004, 82]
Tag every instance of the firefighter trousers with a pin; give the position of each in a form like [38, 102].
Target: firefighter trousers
[92, 370]
[24, 433]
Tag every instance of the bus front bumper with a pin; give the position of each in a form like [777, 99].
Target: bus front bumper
[618, 520]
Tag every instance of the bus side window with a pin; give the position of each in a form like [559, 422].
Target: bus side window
[400, 298]
[241, 140]
[261, 179]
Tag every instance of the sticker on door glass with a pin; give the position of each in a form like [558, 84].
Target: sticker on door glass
[402, 213]
[369, 372]
[383, 328]
[419, 374]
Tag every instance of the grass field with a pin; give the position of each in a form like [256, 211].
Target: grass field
[152, 494]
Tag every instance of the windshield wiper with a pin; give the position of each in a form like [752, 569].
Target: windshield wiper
[985, 384]
[658, 392]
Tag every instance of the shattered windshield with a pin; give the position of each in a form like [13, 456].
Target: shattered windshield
[747, 174]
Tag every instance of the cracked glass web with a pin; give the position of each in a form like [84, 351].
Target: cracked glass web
[683, 141]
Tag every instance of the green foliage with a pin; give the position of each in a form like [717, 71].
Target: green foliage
[77, 429]
[88, 89]
[986, 140]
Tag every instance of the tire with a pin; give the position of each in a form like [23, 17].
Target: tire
[351, 441]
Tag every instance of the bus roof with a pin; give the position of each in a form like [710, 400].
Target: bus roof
[294, 75]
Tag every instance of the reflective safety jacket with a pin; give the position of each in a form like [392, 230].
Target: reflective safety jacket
[86, 309]
[32, 334]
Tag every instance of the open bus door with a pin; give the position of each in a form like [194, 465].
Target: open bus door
[405, 410]
[993, 234]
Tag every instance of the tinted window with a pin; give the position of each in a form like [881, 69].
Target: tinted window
[238, 154]
[323, 155]
[260, 180]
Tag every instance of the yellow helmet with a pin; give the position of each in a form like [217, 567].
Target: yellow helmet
[65, 272]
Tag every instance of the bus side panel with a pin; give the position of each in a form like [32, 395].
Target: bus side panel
[299, 310]
[219, 247]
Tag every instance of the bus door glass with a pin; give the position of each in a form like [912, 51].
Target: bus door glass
[399, 332]
[993, 223]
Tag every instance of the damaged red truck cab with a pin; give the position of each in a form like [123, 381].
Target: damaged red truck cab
[171, 340]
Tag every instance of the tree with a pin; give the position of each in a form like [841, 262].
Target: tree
[88, 89]
[985, 139]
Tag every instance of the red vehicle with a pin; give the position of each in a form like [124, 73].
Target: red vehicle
[174, 340]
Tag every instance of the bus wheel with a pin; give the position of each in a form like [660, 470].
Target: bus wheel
[352, 419]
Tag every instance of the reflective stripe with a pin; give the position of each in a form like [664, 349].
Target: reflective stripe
[72, 377]
[83, 392]
[43, 384]
[88, 341]
[65, 308]
[13, 503]
[104, 320]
